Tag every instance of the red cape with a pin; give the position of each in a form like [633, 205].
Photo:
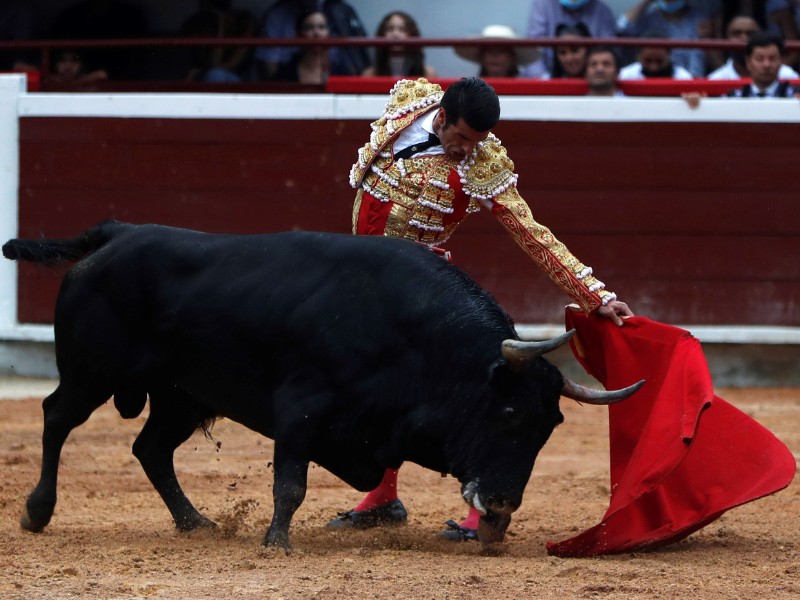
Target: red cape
[680, 455]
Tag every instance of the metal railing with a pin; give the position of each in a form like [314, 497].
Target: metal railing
[46, 47]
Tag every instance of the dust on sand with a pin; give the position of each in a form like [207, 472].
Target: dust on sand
[112, 537]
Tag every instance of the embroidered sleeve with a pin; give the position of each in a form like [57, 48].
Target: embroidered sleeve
[488, 177]
[408, 99]
[537, 241]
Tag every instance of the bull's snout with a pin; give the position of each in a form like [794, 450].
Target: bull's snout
[485, 503]
[495, 513]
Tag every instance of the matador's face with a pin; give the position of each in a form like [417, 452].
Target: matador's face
[458, 139]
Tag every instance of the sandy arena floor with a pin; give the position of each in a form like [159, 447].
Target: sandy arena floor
[111, 536]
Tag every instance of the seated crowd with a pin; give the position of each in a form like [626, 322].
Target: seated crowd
[567, 20]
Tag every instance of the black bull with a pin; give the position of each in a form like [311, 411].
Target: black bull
[357, 353]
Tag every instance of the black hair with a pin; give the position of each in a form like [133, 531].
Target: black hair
[600, 50]
[757, 10]
[578, 29]
[473, 100]
[303, 15]
[414, 56]
[762, 39]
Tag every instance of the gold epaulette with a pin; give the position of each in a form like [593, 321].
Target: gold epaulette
[408, 99]
[488, 172]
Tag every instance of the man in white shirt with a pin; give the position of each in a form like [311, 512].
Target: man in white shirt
[764, 56]
[654, 61]
[602, 69]
[739, 29]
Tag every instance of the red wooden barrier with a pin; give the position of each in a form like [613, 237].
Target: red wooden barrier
[688, 222]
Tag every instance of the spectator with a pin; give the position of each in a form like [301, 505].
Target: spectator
[547, 15]
[312, 64]
[739, 29]
[17, 23]
[105, 19]
[678, 20]
[68, 68]
[602, 70]
[498, 61]
[399, 61]
[764, 56]
[654, 62]
[570, 61]
[216, 18]
[776, 16]
[280, 21]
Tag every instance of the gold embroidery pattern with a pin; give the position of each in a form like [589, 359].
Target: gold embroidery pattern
[553, 257]
[408, 99]
[421, 195]
[356, 210]
[488, 172]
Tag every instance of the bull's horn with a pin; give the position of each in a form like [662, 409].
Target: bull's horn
[519, 353]
[589, 396]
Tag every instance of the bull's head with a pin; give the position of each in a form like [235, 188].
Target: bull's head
[529, 388]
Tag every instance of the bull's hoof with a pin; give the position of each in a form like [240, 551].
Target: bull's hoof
[391, 513]
[278, 542]
[194, 522]
[30, 525]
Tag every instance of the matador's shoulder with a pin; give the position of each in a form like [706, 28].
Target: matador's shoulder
[408, 99]
[488, 171]
[410, 96]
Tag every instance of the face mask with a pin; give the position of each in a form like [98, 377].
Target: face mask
[572, 4]
[670, 7]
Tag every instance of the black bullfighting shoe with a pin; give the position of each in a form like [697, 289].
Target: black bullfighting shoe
[456, 533]
[391, 513]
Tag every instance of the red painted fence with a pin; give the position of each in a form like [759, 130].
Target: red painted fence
[688, 222]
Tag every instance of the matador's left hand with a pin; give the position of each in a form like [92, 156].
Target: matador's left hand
[615, 310]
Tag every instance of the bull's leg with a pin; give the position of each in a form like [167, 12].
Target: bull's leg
[289, 490]
[172, 421]
[66, 408]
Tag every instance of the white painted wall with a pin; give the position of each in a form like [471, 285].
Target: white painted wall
[10, 88]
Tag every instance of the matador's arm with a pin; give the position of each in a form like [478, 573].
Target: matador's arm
[553, 257]
[488, 178]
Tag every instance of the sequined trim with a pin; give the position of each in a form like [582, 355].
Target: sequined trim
[357, 210]
[408, 99]
[553, 257]
[422, 196]
[487, 172]
[420, 186]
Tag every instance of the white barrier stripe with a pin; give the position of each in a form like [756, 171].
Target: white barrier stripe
[370, 107]
[710, 334]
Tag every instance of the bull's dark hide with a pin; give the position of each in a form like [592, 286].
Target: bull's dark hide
[358, 353]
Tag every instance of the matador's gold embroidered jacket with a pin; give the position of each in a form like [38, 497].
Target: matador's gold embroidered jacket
[425, 198]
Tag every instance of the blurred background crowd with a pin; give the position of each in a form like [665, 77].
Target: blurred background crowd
[572, 20]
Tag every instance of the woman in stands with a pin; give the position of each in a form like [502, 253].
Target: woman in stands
[312, 64]
[570, 61]
[399, 61]
[500, 60]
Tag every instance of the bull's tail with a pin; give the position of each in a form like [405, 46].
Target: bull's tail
[57, 251]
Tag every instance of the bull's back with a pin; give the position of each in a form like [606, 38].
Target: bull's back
[216, 310]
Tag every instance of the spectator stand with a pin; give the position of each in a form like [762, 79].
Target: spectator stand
[367, 85]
